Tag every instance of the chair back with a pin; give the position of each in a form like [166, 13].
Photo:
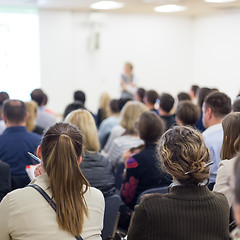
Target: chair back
[162, 190]
[112, 204]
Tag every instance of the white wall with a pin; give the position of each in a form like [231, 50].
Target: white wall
[169, 54]
[217, 52]
[160, 48]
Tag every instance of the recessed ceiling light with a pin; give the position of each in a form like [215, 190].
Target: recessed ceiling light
[219, 1]
[106, 5]
[170, 8]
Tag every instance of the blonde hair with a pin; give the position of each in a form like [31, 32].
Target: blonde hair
[104, 103]
[61, 147]
[182, 150]
[130, 114]
[84, 121]
[32, 108]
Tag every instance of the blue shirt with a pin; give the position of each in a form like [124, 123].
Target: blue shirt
[15, 143]
[213, 137]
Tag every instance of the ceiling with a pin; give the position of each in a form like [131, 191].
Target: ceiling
[195, 7]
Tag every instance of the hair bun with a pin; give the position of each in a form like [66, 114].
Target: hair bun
[197, 167]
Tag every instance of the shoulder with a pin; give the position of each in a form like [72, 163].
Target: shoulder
[94, 196]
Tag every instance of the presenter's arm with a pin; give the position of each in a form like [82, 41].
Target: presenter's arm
[4, 219]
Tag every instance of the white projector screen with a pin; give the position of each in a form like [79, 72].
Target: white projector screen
[19, 53]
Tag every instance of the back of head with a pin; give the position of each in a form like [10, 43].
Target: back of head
[151, 127]
[14, 111]
[151, 96]
[37, 95]
[3, 96]
[219, 103]
[122, 102]
[166, 102]
[104, 101]
[182, 150]
[72, 107]
[187, 112]
[129, 115]
[231, 139]
[194, 89]
[84, 121]
[140, 93]
[61, 148]
[202, 93]
[79, 96]
[183, 96]
[114, 106]
[236, 105]
[32, 108]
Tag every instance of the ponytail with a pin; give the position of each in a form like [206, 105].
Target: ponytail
[68, 185]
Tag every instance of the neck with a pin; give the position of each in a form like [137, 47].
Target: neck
[163, 113]
[15, 124]
[215, 122]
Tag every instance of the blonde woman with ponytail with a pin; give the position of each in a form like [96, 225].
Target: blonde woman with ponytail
[25, 214]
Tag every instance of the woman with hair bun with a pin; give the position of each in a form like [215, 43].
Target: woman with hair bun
[79, 209]
[189, 211]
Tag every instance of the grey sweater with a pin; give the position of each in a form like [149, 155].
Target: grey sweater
[97, 169]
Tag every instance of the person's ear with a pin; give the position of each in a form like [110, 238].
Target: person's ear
[39, 152]
[209, 113]
[3, 118]
[27, 116]
[79, 160]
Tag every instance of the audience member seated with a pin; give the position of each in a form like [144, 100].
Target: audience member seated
[3, 96]
[202, 93]
[166, 102]
[130, 138]
[32, 108]
[193, 93]
[141, 171]
[182, 96]
[230, 147]
[44, 119]
[78, 103]
[5, 179]
[95, 167]
[215, 107]
[189, 210]
[236, 188]
[119, 129]
[103, 111]
[25, 213]
[16, 142]
[187, 113]
[109, 123]
[150, 99]
[236, 105]
[139, 95]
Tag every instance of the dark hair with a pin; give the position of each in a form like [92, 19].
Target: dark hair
[61, 147]
[14, 111]
[151, 127]
[195, 89]
[187, 112]
[45, 99]
[237, 179]
[219, 103]
[202, 93]
[141, 93]
[183, 96]
[114, 106]
[122, 102]
[72, 107]
[37, 95]
[3, 96]
[166, 102]
[182, 150]
[236, 105]
[79, 96]
[231, 135]
[152, 96]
